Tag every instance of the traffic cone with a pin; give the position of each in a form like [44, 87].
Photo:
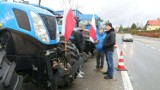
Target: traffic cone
[120, 66]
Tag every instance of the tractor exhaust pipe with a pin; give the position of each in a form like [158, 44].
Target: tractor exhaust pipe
[39, 4]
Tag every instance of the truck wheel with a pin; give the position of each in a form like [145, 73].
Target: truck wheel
[9, 79]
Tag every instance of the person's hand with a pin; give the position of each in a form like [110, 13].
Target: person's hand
[115, 46]
[96, 41]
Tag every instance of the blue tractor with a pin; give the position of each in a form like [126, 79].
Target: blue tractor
[31, 51]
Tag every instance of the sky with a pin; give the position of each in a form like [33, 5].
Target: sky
[118, 12]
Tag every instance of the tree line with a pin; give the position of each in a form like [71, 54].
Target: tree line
[133, 28]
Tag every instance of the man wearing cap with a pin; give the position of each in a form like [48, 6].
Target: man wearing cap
[108, 46]
[100, 52]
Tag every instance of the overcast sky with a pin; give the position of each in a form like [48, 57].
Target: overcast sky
[119, 12]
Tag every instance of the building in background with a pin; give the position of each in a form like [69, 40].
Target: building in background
[153, 24]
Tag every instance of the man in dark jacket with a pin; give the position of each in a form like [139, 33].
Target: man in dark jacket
[78, 36]
[108, 46]
[79, 43]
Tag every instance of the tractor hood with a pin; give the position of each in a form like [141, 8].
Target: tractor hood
[30, 20]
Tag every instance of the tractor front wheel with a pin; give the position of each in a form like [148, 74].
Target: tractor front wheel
[9, 79]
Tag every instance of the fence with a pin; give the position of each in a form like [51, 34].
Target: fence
[153, 33]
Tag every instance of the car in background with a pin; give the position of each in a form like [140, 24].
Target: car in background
[127, 37]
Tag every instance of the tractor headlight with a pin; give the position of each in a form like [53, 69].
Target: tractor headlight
[39, 28]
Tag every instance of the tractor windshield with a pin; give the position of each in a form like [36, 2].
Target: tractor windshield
[50, 22]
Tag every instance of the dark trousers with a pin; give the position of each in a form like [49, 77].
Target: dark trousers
[110, 64]
[79, 47]
[100, 59]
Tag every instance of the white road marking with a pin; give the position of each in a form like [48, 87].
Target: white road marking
[118, 51]
[124, 53]
[140, 43]
[147, 45]
[136, 41]
[126, 80]
[143, 44]
[153, 47]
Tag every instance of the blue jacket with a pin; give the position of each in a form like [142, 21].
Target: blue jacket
[100, 38]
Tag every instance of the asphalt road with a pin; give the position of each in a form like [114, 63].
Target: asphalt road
[142, 59]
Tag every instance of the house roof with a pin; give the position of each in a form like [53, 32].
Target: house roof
[154, 22]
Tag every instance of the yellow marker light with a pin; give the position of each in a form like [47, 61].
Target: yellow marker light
[0, 24]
